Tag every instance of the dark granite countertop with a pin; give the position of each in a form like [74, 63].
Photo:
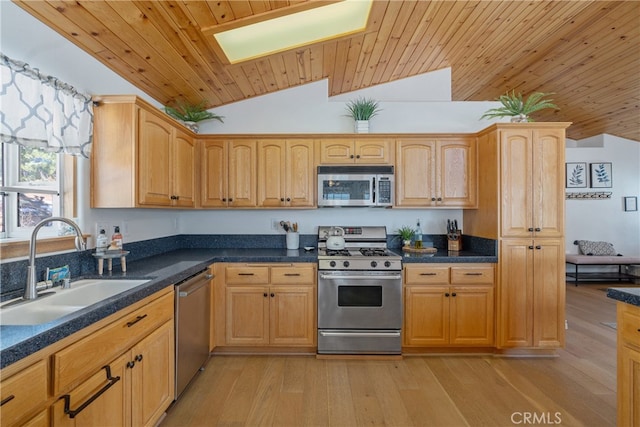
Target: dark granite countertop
[18, 342]
[628, 295]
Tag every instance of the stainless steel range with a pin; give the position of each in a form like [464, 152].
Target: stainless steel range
[359, 292]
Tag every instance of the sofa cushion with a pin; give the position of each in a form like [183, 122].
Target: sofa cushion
[588, 247]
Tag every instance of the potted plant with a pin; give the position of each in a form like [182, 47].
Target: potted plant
[191, 114]
[362, 110]
[514, 106]
[406, 234]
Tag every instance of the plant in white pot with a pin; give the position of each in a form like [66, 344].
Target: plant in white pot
[514, 106]
[406, 233]
[362, 110]
[191, 114]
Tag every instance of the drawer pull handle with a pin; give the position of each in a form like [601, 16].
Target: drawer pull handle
[245, 274]
[473, 274]
[133, 322]
[291, 274]
[67, 398]
[7, 399]
[427, 274]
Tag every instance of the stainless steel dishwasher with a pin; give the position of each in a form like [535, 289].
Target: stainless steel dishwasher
[192, 299]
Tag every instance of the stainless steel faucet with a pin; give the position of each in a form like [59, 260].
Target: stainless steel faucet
[30, 288]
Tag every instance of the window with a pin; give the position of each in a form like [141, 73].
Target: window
[31, 183]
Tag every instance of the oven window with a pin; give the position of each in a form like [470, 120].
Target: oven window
[360, 296]
[346, 190]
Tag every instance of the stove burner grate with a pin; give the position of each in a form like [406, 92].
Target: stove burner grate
[373, 252]
[338, 252]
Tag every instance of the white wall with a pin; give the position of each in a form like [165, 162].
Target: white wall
[605, 219]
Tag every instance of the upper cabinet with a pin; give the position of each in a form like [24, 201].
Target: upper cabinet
[436, 172]
[286, 173]
[360, 151]
[228, 174]
[532, 177]
[140, 157]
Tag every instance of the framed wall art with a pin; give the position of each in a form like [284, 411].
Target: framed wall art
[576, 175]
[601, 175]
[630, 204]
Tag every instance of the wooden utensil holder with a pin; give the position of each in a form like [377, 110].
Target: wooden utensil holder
[454, 242]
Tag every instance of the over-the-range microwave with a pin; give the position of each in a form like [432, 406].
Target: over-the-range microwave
[359, 186]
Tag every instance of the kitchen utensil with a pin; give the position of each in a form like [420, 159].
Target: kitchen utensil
[335, 238]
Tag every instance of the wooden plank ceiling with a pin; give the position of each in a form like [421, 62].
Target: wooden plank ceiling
[587, 52]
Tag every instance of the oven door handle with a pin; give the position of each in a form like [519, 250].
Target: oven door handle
[360, 277]
[360, 334]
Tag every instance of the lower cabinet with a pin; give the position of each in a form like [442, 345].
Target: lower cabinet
[267, 305]
[449, 305]
[23, 394]
[628, 364]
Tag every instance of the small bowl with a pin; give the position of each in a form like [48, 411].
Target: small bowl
[309, 248]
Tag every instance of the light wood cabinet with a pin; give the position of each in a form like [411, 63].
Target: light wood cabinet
[24, 394]
[350, 151]
[449, 305]
[228, 174]
[286, 174]
[628, 363]
[268, 305]
[140, 157]
[436, 172]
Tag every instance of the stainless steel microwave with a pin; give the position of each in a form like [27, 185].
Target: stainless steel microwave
[359, 186]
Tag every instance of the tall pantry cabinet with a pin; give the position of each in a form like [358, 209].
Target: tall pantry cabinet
[521, 204]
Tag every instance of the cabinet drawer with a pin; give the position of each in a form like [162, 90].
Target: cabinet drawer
[247, 275]
[630, 328]
[422, 275]
[23, 393]
[472, 275]
[293, 275]
[88, 355]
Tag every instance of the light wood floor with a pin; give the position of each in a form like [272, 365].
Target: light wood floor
[577, 388]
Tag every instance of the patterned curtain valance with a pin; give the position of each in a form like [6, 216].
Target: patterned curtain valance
[37, 110]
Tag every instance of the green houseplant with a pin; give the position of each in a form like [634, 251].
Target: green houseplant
[362, 110]
[191, 114]
[514, 106]
[406, 233]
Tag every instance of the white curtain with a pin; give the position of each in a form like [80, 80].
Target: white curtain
[41, 111]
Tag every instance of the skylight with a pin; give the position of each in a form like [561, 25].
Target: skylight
[293, 30]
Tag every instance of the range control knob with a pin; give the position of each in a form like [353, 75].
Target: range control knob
[387, 263]
[332, 263]
[346, 263]
[374, 264]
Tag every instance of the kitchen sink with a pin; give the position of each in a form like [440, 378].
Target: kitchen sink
[62, 302]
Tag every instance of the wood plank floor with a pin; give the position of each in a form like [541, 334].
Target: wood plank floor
[577, 388]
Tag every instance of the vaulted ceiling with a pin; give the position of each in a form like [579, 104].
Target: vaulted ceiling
[586, 52]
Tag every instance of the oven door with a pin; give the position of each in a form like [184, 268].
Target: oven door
[345, 190]
[359, 300]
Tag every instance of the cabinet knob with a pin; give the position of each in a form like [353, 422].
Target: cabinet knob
[138, 358]
[530, 247]
[358, 156]
[131, 364]
[224, 199]
[446, 294]
[439, 199]
[264, 295]
[538, 229]
[288, 199]
[453, 294]
[272, 295]
[351, 156]
[530, 229]
[433, 199]
[538, 247]
[282, 199]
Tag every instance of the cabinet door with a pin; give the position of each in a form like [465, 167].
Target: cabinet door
[472, 315]
[456, 173]
[247, 315]
[243, 174]
[300, 174]
[548, 182]
[549, 285]
[292, 315]
[183, 171]
[628, 386]
[415, 173]
[154, 160]
[515, 303]
[516, 184]
[337, 151]
[372, 151]
[152, 376]
[272, 168]
[213, 174]
[24, 393]
[426, 316]
[110, 408]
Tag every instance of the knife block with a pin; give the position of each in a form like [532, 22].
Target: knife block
[454, 242]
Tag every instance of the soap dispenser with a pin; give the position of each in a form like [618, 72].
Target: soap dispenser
[102, 242]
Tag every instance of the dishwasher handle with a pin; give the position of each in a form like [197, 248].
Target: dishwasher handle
[191, 286]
